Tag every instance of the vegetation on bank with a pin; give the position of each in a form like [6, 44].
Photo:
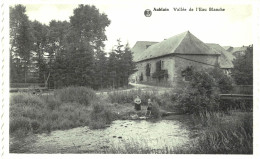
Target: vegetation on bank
[219, 134]
[66, 108]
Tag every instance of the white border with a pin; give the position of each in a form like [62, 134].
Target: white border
[4, 82]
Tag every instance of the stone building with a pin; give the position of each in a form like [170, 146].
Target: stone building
[165, 62]
[225, 59]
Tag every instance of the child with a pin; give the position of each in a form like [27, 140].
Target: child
[149, 108]
[137, 103]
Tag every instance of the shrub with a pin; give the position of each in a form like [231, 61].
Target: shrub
[35, 125]
[20, 123]
[201, 93]
[81, 95]
[100, 115]
[52, 102]
[27, 99]
[155, 112]
[46, 126]
[224, 82]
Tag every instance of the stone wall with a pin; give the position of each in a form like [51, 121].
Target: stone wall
[175, 65]
[181, 63]
[168, 64]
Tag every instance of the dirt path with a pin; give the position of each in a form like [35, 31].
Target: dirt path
[142, 87]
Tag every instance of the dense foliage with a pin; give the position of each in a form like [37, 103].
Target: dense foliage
[66, 53]
[243, 67]
[201, 92]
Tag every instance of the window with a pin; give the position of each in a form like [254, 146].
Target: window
[162, 65]
[187, 73]
[148, 70]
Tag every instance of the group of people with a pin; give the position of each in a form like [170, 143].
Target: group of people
[138, 102]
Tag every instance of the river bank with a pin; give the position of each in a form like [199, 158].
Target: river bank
[179, 134]
[36, 119]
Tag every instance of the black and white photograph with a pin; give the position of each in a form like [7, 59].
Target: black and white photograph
[129, 77]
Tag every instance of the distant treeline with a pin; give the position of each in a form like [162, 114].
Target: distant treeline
[66, 53]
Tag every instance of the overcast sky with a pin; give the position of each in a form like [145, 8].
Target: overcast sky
[230, 27]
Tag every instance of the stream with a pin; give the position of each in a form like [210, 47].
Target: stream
[121, 133]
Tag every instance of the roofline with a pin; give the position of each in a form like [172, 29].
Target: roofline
[172, 54]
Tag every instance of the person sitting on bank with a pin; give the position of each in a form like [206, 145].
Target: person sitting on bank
[149, 108]
[137, 102]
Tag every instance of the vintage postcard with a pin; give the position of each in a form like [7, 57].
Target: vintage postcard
[97, 78]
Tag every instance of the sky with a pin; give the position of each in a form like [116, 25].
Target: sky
[232, 27]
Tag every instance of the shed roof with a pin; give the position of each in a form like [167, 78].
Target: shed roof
[226, 58]
[184, 43]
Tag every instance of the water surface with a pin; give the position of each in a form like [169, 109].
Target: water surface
[153, 135]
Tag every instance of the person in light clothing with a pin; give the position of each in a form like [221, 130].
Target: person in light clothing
[137, 102]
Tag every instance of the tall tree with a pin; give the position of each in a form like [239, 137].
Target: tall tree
[56, 52]
[101, 70]
[83, 40]
[120, 64]
[128, 64]
[243, 68]
[40, 39]
[20, 43]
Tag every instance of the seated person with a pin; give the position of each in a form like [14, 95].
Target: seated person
[149, 108]
[137, 102]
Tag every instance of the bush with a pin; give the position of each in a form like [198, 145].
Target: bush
[35, 125]
[199, 95]
[100, 115]
[224, 82]
[155, 112]
[20, 123]
[81, 95]
[52, 102]
[27, 99]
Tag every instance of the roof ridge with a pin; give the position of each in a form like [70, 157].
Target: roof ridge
[185, 34]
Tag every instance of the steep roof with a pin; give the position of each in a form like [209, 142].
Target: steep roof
[184, 43]
[226, 58]
[140, 46]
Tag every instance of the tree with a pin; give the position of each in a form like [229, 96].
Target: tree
[223, 81]
[20, 43]
[56, 48]
[199, 94]
[83, 40]
[128, 64]
[243, 68]
[40, 40]
[101, 70]
[121, 65]
[88, 26]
